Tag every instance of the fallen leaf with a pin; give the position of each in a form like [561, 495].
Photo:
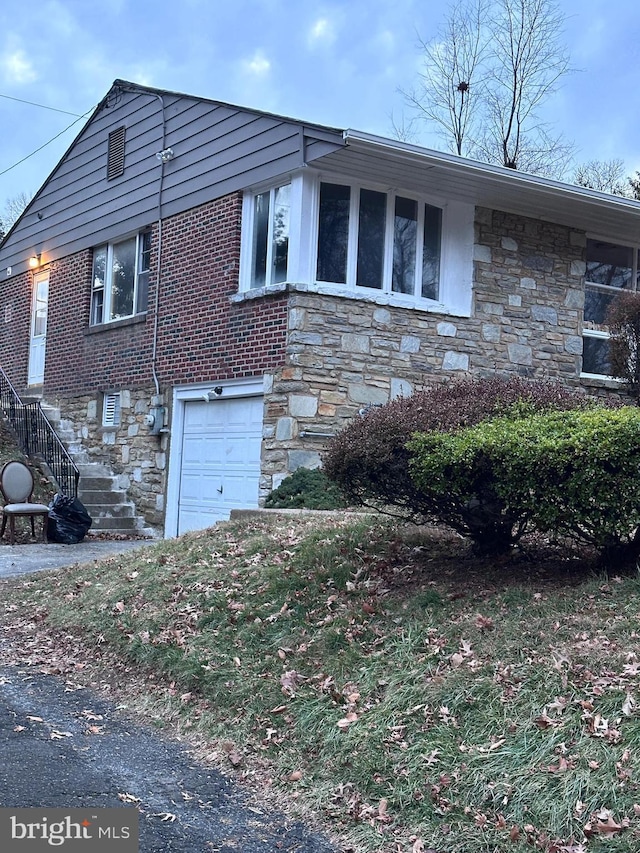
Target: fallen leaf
[628, 705]
[345, 722]
[296, 776]
[128, 798]
[234, 757]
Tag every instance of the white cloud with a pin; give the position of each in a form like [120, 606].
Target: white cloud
[258, 65]
[322, 31]
[16, 67]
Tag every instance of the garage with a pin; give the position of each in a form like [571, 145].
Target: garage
[219, 469]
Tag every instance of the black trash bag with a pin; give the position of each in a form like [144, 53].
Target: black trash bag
[68, 520]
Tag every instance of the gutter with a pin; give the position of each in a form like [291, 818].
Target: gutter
[492, 174]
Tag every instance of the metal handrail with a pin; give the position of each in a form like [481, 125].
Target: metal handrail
[37, 438]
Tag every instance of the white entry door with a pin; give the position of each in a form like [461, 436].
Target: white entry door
[38, 341]
[220, 469]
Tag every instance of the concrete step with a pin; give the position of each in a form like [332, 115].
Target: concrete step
[100, 497]
[102, 493]
[104, 511]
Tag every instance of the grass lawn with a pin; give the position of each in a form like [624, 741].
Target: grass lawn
[376, 678]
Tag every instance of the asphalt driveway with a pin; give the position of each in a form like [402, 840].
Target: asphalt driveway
[66, 747]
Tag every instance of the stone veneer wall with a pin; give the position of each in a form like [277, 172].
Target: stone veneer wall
[346, 353]
[138, 459]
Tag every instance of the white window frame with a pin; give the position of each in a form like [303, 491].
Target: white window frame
[603, 334]
[387, 264]
[141, 272]
[456, 245]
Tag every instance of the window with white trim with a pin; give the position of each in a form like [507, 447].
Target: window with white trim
[359, 240]
[120, 279]
[111, 410]
[270, 239]
[379, 240]
[610, 269]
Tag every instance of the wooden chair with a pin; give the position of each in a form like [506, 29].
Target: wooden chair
[16, 485]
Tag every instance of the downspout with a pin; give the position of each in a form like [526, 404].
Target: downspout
[161, 157]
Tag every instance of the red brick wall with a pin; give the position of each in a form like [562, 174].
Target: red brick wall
[15, 319]
[201, 334]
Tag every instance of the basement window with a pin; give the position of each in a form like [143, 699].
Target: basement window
[111, 410]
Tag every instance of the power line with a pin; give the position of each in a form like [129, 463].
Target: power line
[19, 163]
[42, 106]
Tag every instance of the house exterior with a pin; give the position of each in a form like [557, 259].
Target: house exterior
[206, 293]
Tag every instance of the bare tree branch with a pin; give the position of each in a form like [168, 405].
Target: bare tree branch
[604, 175]
[450, 84]
[485, 76]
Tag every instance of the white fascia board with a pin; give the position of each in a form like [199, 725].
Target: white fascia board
[493, 174]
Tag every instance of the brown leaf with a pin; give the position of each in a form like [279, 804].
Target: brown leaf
[234, 757]
[346, 721]
[290, 680]
[296, 776]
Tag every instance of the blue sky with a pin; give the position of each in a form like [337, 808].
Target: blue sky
[339, 63]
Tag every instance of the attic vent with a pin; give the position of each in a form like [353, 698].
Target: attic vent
[111, 410]
[115, 155]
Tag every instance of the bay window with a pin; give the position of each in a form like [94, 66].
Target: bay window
[120, 279]
[610, 269]
[353, 240]
[381, 241]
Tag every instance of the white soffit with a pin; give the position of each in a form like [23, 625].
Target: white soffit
[410, 167]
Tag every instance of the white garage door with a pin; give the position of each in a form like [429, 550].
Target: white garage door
[220, 460]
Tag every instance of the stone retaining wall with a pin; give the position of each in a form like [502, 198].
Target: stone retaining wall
[139, 459]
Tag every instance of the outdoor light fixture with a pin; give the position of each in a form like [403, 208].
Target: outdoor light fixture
[165, 155]
[34, 261]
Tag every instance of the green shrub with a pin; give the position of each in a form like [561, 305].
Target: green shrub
[369, 459]
[306, 488]
[572, 474]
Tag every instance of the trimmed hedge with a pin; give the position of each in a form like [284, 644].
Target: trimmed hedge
[370, 462]
[573, 474]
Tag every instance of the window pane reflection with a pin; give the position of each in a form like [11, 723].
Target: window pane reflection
[333, 232]
[371, 227]
[405, 230]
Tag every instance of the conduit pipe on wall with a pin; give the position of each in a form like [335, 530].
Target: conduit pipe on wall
[162, 160]
[154, 349]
